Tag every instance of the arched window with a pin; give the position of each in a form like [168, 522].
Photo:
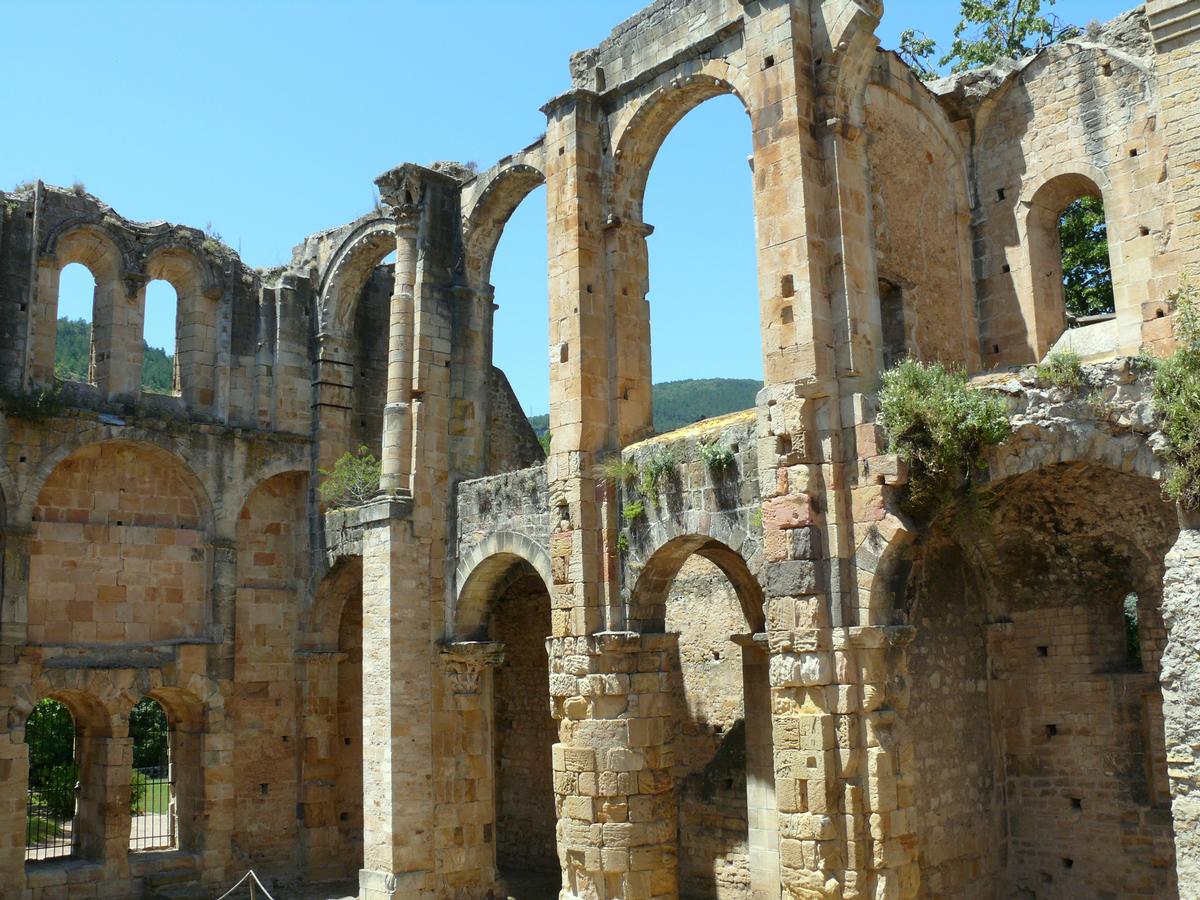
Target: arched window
[1086, 271]
[1133, 631]
[152, 782]
[73, 348]
[702, 267]
[1071, 283]
[160, 369]
[53, 789]
[520, 326]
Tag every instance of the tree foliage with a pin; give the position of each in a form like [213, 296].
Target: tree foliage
[354, 479]
[148, 728]
[1087, 273]
[988, 30]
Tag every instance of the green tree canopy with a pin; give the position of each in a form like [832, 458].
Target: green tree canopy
[1087, 274]
[987, 31]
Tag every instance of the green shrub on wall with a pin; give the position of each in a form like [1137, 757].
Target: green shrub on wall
[940, 427]
[1176, 398]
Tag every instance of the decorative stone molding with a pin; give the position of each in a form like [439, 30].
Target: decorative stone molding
[464, 662]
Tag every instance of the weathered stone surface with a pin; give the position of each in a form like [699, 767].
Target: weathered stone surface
[726, 667]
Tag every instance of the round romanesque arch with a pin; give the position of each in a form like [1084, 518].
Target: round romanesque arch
[104, 250]
[639, 133]
[1118, 440]
[671, 544]
[340, 585]
[482, 574]
[506, 188]
[157, 442]
[348, 271]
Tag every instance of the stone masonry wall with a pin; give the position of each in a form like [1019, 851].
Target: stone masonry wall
[710, 747]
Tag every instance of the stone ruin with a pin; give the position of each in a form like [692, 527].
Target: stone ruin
[771, 684]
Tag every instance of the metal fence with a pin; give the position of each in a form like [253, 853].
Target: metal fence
[53, 793]
[152, 783]
[50, 815]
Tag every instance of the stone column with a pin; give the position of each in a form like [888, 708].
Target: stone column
[617, 825]
[397, 412]
[630, 267]
[465, 775]
[762, 810]
[398, 709]
[1181, 702]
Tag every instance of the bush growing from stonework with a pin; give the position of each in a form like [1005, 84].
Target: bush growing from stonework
[940, 426]
[1061, 369]
[354, 479]
[1176, 399]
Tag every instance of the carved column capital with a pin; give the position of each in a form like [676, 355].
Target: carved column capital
[464, 662]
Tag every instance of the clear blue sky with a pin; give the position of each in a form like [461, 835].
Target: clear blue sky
[269, 120]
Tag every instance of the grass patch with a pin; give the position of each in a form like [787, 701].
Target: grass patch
[39, 829]
[1061, 369]
[940, 427]
[150, 795]
[661, 463]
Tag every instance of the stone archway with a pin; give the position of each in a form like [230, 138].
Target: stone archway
[515, 616]
[706, 596]
[1035, 708]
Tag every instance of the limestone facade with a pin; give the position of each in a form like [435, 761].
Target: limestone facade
[523, 673]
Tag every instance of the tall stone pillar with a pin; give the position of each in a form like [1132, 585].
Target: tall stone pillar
[1180, 676]
[397, 411]
[617, 821]
[466, 764]
[398, 802]
[1175, 28]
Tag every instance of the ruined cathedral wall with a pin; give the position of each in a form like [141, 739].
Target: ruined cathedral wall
[1080, 118]
[155, 544]
[920, 210]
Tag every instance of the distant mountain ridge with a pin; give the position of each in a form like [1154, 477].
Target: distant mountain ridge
[680, 403]
[74, 348]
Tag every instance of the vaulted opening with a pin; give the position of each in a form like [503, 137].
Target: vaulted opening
[152, 804]
[720, 716]
[524, 735]
[1035, 704]
[53, 786]
[519, 386]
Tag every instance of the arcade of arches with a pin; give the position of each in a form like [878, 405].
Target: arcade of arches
[719, 663]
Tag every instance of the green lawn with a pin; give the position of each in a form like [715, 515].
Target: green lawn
[39, 829]
[156, 797]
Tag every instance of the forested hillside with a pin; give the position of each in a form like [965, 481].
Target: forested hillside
[679, 403]
[74, 347]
